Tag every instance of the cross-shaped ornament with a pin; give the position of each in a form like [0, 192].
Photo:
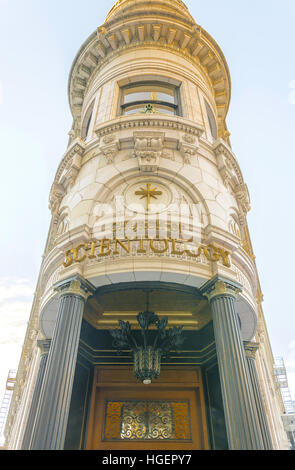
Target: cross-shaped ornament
[148, 193]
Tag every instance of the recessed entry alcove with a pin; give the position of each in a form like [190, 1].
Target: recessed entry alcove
[96, 357]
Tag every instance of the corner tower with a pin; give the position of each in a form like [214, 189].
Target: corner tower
[149, 214]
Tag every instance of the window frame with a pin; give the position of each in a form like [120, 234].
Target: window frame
[174, 106]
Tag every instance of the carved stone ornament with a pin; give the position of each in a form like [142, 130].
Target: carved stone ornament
[243, 198]
[187, 152]
[66, 174]
[189, 147]
[72, 165]
[75, 286]
[224, 167]
[220, 287]
[55, 198]
[251, 349]
[111, 148]
[227, 165]
[108, 139]
[148, 148]
[189, 139]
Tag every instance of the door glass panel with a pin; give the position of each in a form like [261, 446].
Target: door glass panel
[147, 421]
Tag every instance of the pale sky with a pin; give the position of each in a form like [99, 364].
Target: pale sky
[38, 42]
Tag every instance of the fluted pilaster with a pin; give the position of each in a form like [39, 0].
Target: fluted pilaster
[243, 429]
[44, 346]
[55, 397]
[251, 349]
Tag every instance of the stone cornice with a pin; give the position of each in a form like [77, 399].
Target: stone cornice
[157, 29]
[146, 122]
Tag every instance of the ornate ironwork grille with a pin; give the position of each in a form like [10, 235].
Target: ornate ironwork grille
[147, 420]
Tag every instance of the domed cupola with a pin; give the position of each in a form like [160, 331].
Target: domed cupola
[151, 25]
[127, 8]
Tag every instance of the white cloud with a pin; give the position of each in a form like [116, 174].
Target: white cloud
[14, 288]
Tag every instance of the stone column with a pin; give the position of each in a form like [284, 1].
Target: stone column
[55, 397]
[251, 349]
[44, 346]
[243, 428]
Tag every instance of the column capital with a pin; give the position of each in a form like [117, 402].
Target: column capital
[220, 286]
[251, 349]
[75, 285]
[44, 346]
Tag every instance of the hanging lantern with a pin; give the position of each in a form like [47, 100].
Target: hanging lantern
[157, 344]
[147, 364]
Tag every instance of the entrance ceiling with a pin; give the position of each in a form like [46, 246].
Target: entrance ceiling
[104, 310]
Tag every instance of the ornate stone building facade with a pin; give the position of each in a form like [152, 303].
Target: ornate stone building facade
[149, 214]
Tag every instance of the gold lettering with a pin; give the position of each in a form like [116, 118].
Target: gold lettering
[194, 255]
[69, 259]
[225, 257]
[75, 252]
[120, 242]
[92, 250]
[181, 234]
[211, 252]
[209, 255]
[105, 245]
[141, 247]
[156, 250]
[174, 250]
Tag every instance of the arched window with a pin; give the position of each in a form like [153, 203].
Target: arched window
[87, 121]
[150, 98]
[212, 121]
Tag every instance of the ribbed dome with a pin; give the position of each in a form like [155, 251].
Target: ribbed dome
[126, 7]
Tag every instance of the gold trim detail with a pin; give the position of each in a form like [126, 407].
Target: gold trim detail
[251, 349]
[74, 287]
[221, 288]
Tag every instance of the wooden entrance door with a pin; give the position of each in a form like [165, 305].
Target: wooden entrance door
[166, 415]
